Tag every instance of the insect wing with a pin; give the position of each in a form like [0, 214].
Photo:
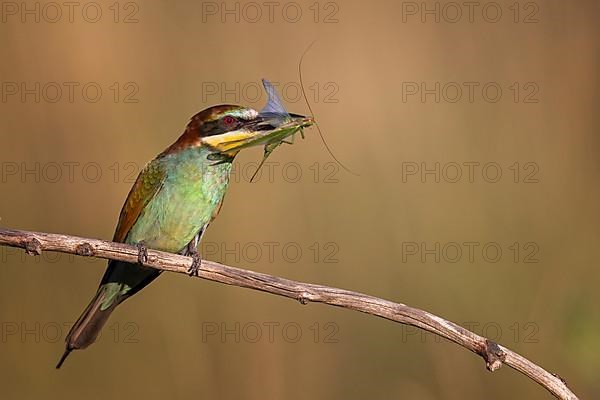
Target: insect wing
[274, 104]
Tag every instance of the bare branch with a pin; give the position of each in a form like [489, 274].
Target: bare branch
[494, 354]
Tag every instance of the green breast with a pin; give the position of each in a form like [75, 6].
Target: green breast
[191, 192]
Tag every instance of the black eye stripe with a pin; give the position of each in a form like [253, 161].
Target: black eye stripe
[211, 128]
[219, 126]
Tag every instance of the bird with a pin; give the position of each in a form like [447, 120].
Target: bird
[176, 196]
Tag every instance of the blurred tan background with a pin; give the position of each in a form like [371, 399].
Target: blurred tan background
[69, 161]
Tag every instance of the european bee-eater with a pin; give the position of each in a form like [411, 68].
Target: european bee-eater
[177, 195]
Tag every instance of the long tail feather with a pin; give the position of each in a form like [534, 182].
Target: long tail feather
[85, 331]
[63, 358]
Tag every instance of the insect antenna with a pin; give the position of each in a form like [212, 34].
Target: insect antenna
[312, 114]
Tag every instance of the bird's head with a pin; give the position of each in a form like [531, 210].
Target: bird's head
[230, 128]
[227, 129]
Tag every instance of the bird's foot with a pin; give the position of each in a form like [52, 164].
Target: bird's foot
[194, 269]
[142, 253]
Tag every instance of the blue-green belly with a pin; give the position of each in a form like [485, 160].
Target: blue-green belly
[192, 190]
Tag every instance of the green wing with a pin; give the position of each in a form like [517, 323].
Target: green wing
[147, 185]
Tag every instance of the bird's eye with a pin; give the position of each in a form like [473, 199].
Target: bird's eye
[228, 120]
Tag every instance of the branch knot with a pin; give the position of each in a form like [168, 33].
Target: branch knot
[85, 250]
[304, 298]
[33, 247]
[493, 355]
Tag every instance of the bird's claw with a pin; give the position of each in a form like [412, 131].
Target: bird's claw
[194, 269]
[142, 253]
